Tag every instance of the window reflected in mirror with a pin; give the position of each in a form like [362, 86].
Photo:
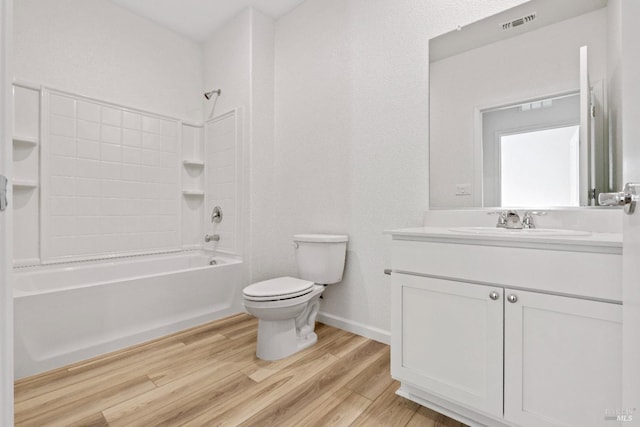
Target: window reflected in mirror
[540, 167]
[531, 153]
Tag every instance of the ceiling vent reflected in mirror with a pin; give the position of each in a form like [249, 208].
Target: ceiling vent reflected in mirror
[518, 22]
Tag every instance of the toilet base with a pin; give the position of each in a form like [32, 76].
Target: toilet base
[277, 339]
[287, 326]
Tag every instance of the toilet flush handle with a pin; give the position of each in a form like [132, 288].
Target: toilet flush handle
[295, 245]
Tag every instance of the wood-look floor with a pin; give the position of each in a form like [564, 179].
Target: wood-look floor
[209, 376]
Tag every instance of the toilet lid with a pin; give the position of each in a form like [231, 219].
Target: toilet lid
[275, 289]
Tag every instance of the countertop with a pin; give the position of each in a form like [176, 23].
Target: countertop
[608, 241]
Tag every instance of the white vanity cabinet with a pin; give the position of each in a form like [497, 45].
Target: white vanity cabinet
[472, 339]
[447, 338]
[563, 359]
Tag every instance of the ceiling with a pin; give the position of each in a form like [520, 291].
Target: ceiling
[198, 19]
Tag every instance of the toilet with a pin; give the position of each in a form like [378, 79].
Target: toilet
[286, 307]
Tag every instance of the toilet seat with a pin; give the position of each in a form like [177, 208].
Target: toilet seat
[277, 289]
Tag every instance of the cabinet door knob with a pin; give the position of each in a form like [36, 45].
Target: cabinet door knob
[494, 295]
[512, 298]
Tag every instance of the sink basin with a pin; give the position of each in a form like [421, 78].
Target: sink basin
[529, 232]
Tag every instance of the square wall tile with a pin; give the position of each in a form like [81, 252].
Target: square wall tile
[112, 116]
[88, 130]
[62, 126]
[62, 105]
[88, 111]
[111, 134]
[131, 120]
[150, 124]
[131, 138]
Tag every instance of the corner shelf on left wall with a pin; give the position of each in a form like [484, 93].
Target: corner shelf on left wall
[198, 193]
[26, 172]
[25, 141]
[25, 183]
[193, 186]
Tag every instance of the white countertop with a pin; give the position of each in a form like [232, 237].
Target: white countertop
[611, 241]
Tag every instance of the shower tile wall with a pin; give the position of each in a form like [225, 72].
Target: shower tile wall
[222, 184]
[110, 180]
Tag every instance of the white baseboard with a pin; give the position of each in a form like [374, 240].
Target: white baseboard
[358, 328]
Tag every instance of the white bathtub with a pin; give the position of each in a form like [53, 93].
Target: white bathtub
[69, 312]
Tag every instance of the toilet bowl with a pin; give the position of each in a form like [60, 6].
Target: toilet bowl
[286, 307]
[286, 324]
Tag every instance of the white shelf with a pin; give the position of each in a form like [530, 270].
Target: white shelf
[25, 183]
[198, 193]
[29, 141]
[194, 163]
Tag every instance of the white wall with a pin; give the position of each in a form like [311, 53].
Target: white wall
[97, 49]
[239, 60]
[515, 69]
[227, 62]
[351, 129]
[262, 191]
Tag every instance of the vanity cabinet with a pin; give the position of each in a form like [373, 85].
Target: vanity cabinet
[490, 352]
[563, 359]
[449, 339]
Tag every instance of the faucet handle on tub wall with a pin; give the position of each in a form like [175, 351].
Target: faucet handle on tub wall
[216, 215]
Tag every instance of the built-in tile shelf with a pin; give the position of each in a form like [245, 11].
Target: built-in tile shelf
[193, 167]
[193, 193]
[25, 183]
[193, 163]
[26, 170]
[27, 141]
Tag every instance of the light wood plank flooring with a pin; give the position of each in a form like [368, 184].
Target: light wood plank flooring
[209, 376]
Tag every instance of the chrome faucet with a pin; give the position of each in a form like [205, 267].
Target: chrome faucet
[513, 221]
[216, 215]
[212, 238]
[527, 219]
[508, 219]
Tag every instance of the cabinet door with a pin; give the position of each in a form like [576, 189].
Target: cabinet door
[563, 359]
[447, 339]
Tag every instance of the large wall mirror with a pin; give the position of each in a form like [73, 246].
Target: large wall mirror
[519, 109]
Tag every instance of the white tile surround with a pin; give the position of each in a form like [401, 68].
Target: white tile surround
[222, 136]
[110, 180]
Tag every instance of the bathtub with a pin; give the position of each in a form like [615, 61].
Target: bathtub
[65, 313]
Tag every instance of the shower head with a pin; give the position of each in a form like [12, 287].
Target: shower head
[208, 95]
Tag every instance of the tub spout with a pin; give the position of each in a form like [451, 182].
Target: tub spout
[212, 238]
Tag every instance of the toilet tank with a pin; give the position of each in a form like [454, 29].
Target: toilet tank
[320, 257]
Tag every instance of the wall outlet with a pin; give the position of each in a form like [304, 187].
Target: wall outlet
[463, 189]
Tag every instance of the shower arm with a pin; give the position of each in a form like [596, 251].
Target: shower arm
[208, 95]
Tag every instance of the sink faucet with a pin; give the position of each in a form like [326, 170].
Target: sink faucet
[513, 220]
[527, 219]
[508, 219]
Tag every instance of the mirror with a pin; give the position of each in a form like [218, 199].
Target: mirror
[518, 109]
